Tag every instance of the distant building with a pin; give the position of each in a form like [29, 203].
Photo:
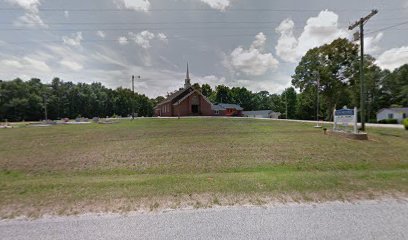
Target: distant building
[190, 102]
[392, 113]
[185, 102]
[226, 109]
[261, 114]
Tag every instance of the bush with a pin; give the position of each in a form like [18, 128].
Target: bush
[405, 123]
[388, 121]
[372, 120]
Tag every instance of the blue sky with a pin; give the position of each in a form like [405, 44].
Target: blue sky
[255, 44]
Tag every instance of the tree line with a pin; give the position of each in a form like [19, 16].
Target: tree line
[335, 66]
[26, 101]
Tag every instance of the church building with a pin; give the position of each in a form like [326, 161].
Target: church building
[185, 102]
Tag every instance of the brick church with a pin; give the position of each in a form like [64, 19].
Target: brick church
[185, 102]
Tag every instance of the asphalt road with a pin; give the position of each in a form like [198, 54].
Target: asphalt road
[362, 220]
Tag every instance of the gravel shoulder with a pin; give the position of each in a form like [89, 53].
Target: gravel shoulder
[382, 219]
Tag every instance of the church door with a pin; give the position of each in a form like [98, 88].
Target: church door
[195, 105]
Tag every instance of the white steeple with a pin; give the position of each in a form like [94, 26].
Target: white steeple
[187, 83]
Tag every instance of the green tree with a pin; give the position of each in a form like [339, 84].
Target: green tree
[206, 90]
[333, 65]
[222, 94]
[289, 98]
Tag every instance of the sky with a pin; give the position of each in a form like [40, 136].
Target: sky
[238, 43]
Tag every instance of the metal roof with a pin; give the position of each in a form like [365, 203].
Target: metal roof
[224, 106]
[260, 112]
[404, 110]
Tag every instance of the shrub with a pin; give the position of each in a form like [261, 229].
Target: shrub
[388, 121]
[405, 123]
[372, 120]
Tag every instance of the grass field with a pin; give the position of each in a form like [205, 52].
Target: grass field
[159, 163]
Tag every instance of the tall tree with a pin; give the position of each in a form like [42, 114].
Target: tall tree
[206, 90]
[289, 98]
[333, 65]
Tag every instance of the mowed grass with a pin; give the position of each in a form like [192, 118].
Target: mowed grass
[156, 163]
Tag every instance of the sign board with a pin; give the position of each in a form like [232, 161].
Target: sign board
[345, 117]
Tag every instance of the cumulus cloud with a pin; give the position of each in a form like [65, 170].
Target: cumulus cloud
[217, 4]
[137, 5]
[31, 17]
[253, 61]
[74, 40]
[393, 58]
[101, 34]
[123, 40]
[162, 37]
[371, 44]
[29, 5]
[317, 31]
[142, 39]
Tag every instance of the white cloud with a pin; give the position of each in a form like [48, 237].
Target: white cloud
[101, 34]
[74, 66]
[66, 14]
[317, 31]
[36, 64]
[123, 40]
[217, 4]
[371, 43]
[393, 58]
[211, 80]
[142, 39]
[162, 37]
[11, 63]
[137, 5]
[253, 61]
[74, 40]
[29, 5]
[287, 43]
[31, 17]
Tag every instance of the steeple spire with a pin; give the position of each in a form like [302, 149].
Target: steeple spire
[188, 73]
[187, 83]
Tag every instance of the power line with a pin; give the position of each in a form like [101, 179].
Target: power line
[130, 39]
[193, 10]
[389, 27]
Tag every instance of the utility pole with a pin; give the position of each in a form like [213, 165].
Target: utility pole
[45, 108]
[286, 101]
[318, 99]
[133, 96]
[361, 23]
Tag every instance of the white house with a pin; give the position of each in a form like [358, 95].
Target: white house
[392, 113]
[261, 114]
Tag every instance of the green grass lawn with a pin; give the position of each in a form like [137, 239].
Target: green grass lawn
[158, 163]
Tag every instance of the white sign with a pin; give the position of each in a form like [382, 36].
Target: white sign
[345, 117]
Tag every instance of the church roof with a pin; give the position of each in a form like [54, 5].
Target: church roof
[175, 95]
[194, 91]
